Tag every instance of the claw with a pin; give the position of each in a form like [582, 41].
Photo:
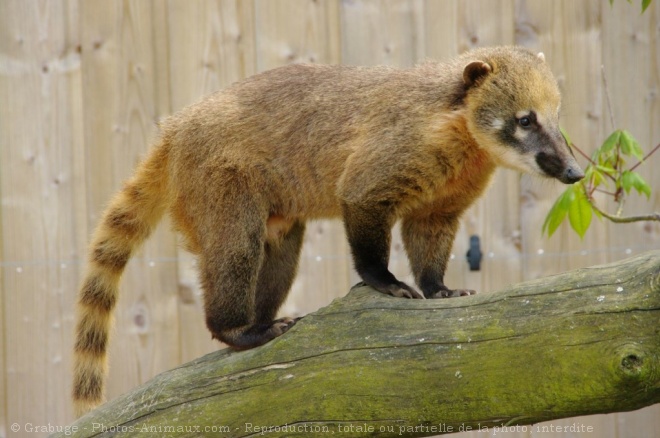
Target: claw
[402, 290]
[447, 293]
[282, 325]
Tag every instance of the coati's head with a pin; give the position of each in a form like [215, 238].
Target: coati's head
[513, 103]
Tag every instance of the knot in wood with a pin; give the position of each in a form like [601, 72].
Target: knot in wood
[632, 364]
[635, 366]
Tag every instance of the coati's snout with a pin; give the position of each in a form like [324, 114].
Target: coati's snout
[572, 175]
[540, 148]
[530, 143]
[553, 156]
[566, 171]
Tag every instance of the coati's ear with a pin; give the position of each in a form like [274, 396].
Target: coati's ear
[541, 56]
[475, 71]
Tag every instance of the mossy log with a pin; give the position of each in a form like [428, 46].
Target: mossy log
[578, 343]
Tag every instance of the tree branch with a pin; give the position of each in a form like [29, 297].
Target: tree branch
[583, 342]
[626, 219]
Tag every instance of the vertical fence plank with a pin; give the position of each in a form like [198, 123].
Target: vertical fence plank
[3, 326]
[575, 57]
[631, 39]
[441, 29]
[211, 46]
[40, 183]
[120, 71]
[296, 31]
[382, 32]
[6, 40]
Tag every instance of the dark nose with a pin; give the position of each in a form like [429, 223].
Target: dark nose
[572, 175]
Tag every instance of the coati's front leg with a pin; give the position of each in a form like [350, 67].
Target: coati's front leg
[428, 240]
[369, 229]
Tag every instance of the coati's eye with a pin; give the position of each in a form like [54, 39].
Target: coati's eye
[526, 119]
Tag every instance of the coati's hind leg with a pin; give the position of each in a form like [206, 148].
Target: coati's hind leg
[277, 272]
[230, 261]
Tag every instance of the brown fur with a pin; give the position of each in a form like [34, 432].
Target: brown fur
[243, 170]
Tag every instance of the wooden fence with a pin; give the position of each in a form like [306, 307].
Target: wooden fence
[82, 83]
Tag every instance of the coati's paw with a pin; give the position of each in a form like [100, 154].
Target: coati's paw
[401, 290]
[250, 336]
[447, 293]
[282, 325]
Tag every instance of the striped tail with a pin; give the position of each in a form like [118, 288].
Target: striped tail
[127, 222]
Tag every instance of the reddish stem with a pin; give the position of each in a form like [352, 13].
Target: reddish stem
[654, 150]
[605, 191]
[583, 154]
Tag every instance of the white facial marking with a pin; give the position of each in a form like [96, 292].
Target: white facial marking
[512, 159]
[541, 56]
[540, 119]
[521, 114]
[497, 123]
[520, 134]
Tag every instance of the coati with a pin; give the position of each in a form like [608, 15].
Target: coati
[242, 171]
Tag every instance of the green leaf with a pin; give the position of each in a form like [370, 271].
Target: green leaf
[644, 188]
[612, 162]
[630, 180]
[580, 212]
[558, 212]
[645, 4]
[597, 178]
[611, 2]
[592, 175]
[630, 146]
[610, 143]
[627, 180]
[606, 168]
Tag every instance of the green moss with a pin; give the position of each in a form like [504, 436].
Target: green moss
[541, 350]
